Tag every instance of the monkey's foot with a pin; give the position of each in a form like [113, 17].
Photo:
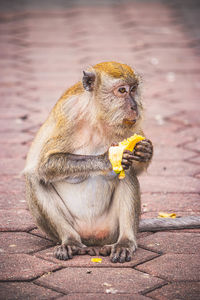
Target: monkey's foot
[65, 252]
[118, 252]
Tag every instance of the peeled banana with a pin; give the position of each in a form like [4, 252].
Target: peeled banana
[116, 153]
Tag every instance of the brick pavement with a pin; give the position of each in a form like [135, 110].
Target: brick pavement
[44, 47]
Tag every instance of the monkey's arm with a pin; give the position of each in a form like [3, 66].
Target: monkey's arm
[58, 166]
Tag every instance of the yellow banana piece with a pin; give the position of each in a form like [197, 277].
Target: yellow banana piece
[166, 215]
[116, 153]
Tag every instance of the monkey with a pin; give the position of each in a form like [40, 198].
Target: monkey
[72, 191]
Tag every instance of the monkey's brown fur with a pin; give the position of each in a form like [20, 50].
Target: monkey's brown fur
[72, 191]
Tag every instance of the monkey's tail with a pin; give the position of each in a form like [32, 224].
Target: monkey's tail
[159, 224]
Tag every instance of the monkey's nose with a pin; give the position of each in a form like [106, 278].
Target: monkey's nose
[134, 107]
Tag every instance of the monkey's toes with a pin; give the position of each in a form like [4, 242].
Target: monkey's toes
[63, 252]
[121, 254]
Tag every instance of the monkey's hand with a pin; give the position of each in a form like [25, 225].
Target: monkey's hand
[142, 152]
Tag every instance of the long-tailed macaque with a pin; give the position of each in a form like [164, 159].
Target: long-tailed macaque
[72, 191]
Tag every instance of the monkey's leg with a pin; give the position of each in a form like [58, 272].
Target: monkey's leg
[54, 217]
[127, 197]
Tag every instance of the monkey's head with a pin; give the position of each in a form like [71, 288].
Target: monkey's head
[115, 88]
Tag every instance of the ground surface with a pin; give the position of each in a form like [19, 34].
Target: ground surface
[44, 48]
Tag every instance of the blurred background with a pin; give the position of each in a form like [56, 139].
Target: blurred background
[45, 46]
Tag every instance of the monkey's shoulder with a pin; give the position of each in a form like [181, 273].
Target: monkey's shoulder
[75, 89]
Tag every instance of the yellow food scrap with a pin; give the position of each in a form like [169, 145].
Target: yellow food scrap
[96, 259]
[166, 215]
[116, 153]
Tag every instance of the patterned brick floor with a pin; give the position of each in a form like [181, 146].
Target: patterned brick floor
[44, 47]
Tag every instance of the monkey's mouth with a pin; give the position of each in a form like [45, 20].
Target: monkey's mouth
[129, 122]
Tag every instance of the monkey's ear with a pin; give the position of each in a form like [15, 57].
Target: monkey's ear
[88, 80]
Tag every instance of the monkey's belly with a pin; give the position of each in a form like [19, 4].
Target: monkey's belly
[90, 202]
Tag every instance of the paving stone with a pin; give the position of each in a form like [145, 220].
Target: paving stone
[98, 280]
[12, 137]
[195, 146]
[189, 131]
[143, 234]
[15, 181]
[13, 150]
[23, 267]
[177, 290]
[12, 200]
[40, 233]
[100, 296]
[166, 137]
[194, 160]
[166, 184]
[173, 267]
[22, 242]
[16, 125]
[25, 290]
[140, 256]
[176, 63]
[189, 117]
[170, 202]
[170, 242]
[11, 165]
[16, 220]
[12, 191]
[172, 168]
[171, 153]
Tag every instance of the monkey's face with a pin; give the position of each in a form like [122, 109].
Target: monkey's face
[126, 96]
[121, 102]
[116, 92]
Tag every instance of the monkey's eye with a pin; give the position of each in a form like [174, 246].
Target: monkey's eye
[133, 88]
[122, 90]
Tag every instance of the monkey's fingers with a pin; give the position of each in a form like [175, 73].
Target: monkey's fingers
[127, 154]
[115, 254]
[121, 254]
[143, 155]
[140, 159]
[125, 163]
[62, 252]
[126, 255]
[145, 143]
[144, 148]
[127, 159]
